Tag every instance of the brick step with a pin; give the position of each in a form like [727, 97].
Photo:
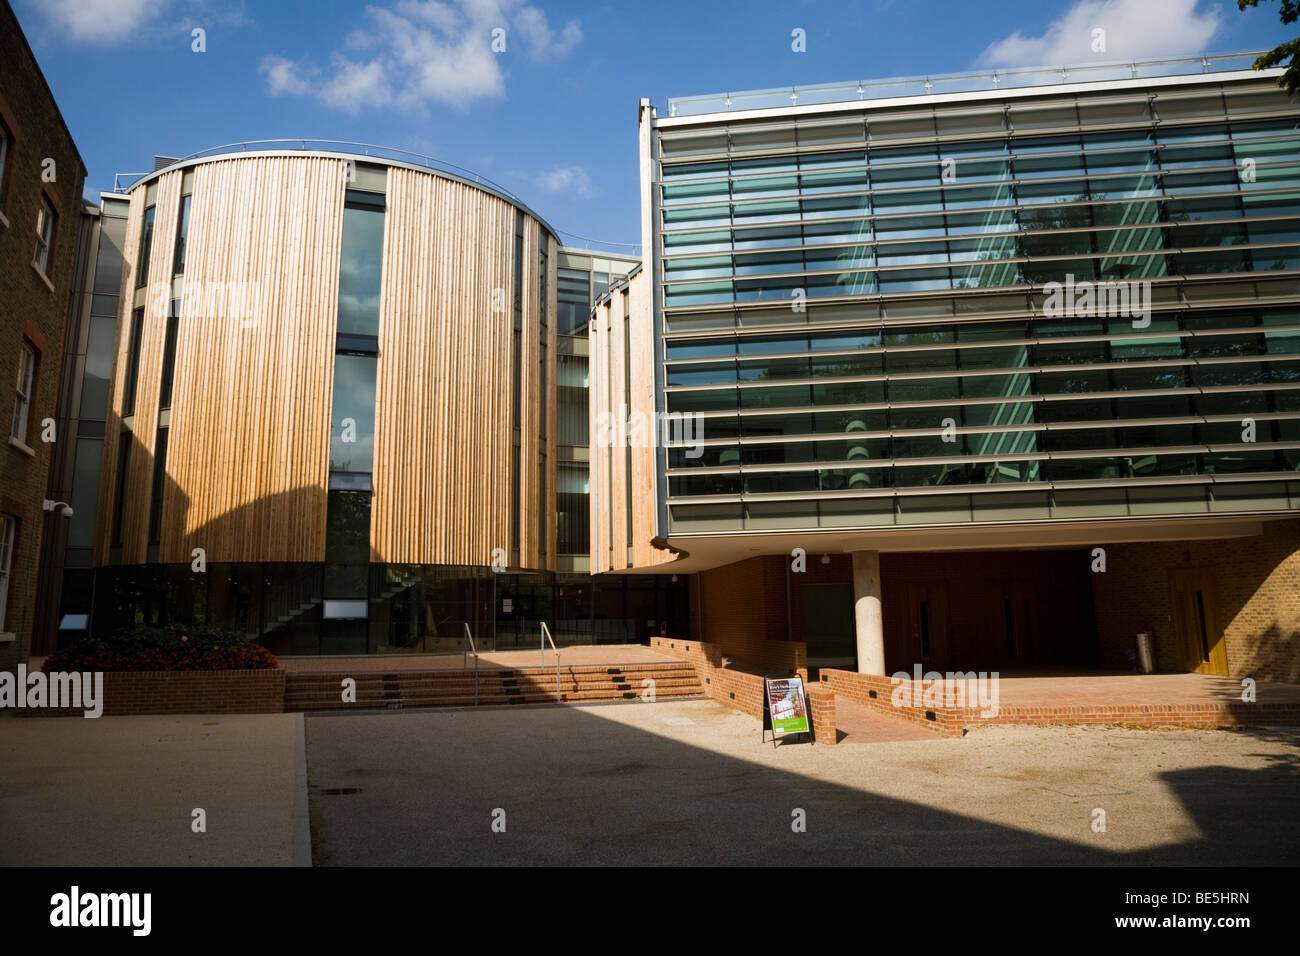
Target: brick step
[662, 687]
[332, 684]
[378, 690]
[583, 670]
[484, 700]
[431, 680]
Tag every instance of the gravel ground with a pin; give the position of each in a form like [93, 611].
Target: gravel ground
[689, 782]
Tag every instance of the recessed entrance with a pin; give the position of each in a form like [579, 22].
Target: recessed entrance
[827, 618]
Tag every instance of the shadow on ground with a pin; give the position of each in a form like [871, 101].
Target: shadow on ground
[592, 785]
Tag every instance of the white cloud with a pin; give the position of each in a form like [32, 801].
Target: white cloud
[417, 52]
[110, 22]
[100, 21]
[540, 40]
[283, 77]
[1134, 29]
[571, 180]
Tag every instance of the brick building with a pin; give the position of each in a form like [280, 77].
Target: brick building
[41, 176]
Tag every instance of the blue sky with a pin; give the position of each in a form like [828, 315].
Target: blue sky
[553, 116]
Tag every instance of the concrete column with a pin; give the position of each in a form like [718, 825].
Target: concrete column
[867, 617]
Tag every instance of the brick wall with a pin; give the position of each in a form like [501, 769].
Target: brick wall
[185, 692]
[875, 691]
[32, 311]
[731, 683]
[742, 610]
[1257, 590]
[821, 707]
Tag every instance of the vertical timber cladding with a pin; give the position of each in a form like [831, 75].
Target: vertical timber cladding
[641, 345]
[443, 394]
[599, 438]
[135, 526]
[529, 412]
[113, 412]
[618, 452]
[248, 455]
[596, 506]
[617, 347]
[551, 400]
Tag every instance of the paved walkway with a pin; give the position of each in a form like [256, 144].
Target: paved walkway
[858, 724]
[121, 791]
[1072, 689]
[577, 656]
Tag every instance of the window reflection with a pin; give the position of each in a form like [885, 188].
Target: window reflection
[361, 269]
[352, 428]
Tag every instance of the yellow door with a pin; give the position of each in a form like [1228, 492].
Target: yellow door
[1196, 621]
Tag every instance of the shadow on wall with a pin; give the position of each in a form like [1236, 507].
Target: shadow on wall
[236, 587]
[1271, 654]
[1256, 583]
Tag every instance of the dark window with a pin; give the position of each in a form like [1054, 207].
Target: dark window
[543, 512]
[573, 298]
[159, 482]
[27, 361]
[519, 264]
[572, 509]
[146, 246]
[347, 545]
[514, 499]
[6, 147]
[119, 490]
[169, 356]
[182, 236]
[46, 219]
[132, 363]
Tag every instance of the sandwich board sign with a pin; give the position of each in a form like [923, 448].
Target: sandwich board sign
[787, 708]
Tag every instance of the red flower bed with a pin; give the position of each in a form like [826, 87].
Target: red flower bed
[173, 648]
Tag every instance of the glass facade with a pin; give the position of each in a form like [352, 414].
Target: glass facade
[335, 597]
[582, 277]
[409, 608]
[860, 306]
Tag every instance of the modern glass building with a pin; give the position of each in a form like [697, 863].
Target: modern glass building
[1056, 311]
[333, 397]
[581, 278]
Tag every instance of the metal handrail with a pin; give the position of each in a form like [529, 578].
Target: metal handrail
[347, 146]
[546, 636]
[989, 79]
[472, 646]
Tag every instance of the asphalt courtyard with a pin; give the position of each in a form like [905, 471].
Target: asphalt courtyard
[690, 782]
[674, 782]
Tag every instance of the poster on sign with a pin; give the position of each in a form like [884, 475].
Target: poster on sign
[787, 707]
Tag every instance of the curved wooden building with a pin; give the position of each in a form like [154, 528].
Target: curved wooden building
[331, 411]
[252, 364]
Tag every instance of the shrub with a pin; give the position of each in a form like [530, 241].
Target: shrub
[171, 648]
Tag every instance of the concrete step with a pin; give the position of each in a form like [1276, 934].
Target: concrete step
[484, 700]
[311, 691]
